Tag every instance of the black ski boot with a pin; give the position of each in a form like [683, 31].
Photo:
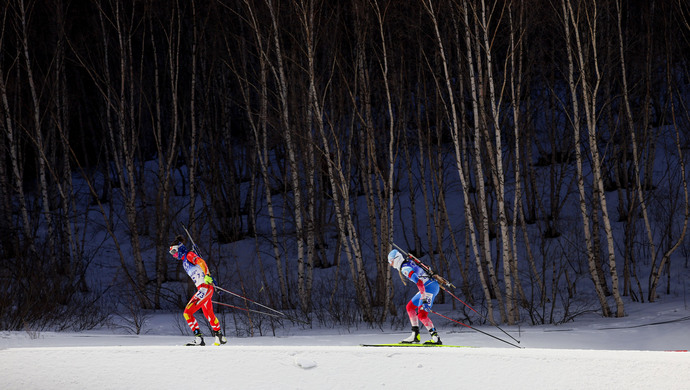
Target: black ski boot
[435, 340]
[198, 339]
[220, 339]
[412, 338]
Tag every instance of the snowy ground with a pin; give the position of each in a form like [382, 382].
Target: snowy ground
[592, 353]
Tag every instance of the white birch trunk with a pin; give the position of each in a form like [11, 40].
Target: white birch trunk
[456, 142]
[37, 134]
[498, 175]
[260, 132]
[294, 171]
[606, 311]
[589, 95]
[17, 173]
[516, 51]
[387, 214]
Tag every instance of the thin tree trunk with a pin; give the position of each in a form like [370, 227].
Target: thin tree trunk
[347, 234]
[590, 104]
[259, 129]
[655, 272]
[37, 135]
[294, 171]
[314, 114]
[17, 173]
[386, 214]
[497, 173]
[124, 144]
[455, 130]
[516, 51]
[606, 311]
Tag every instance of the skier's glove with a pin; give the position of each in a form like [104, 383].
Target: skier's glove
[426, 304]
[208, 279]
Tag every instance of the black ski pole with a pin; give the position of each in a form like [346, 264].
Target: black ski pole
[485, 319]
[278, 314]
[448, 284]
[252, 311]
[249, 300]
[475, 329]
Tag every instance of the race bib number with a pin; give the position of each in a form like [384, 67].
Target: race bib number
[201, 293]
[198, 278]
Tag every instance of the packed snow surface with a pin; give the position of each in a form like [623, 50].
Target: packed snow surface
[643, 350]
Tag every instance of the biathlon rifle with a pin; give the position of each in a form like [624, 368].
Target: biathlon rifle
[440, 279]
[195, 248]
[191, 240]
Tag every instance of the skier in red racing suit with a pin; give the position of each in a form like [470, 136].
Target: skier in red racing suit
[197, 269]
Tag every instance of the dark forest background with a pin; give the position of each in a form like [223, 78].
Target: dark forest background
[559, 127]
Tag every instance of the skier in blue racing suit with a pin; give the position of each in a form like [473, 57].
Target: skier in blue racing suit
[419, 306]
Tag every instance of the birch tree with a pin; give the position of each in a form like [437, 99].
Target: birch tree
[11, 136]
[456, 134]
[568, 18]
[672, 244]
[259, 124]
[117, 87]
[496, 159]
[165, 141]
[279, 71]
[385, 212]
[36, 134]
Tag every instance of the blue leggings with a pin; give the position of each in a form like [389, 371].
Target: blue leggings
[430, 287]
